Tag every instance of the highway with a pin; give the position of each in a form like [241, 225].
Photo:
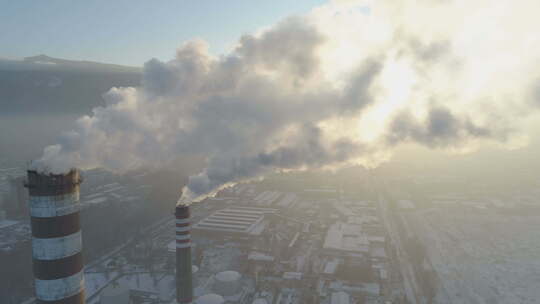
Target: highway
[411, 287]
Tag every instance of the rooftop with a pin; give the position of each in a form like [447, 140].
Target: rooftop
[244, 220]
[346, 237]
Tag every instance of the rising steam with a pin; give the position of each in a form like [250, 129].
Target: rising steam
[341, 85]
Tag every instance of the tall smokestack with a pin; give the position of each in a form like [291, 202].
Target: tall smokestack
[184, 285]
[56, 237]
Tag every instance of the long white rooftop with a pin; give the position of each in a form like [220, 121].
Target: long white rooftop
[244, 220]
[346, 237]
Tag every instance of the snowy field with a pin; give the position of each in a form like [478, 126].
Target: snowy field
[482, 258]
[7, 223]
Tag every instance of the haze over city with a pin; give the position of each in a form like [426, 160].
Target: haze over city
[344, 151]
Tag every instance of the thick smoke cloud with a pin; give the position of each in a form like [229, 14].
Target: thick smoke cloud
[290, 48]
[440, 129]
[329, 89]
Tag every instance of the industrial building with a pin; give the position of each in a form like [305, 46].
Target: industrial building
[227, 283]
[340, 297]
[57, 246]
[346, 239]
[210, 299]
[276, 252]
[241, 221]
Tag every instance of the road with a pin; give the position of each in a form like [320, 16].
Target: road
[412, 289]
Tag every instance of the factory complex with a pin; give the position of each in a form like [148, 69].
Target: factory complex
[245, 245]
[87, 237]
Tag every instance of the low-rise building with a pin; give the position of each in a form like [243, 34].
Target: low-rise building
[239, 221]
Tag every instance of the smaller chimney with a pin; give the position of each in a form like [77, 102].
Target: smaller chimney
[184, 285]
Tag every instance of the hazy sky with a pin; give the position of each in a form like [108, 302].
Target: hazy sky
[131, 32]
[343, 83]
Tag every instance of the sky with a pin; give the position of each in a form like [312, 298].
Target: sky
[130, 32]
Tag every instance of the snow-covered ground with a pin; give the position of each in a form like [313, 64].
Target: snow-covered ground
[482, 258]
[7, 223]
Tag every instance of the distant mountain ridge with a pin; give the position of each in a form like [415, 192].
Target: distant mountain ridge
[42, 61]
[43, 84]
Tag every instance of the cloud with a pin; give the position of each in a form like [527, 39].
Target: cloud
[332, 88]
[290, 47]
[439, 129]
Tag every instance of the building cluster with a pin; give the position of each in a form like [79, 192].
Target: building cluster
[13, 196]
[253, 243]
[103, 187]
[12, 235]
[246, 245]
[285, 248]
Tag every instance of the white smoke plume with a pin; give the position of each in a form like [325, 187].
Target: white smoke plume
[341, 85]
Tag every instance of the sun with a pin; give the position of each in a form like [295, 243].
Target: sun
[393, 88]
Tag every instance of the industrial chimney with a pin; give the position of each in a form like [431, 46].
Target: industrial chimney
[56, 237]
[184, 285]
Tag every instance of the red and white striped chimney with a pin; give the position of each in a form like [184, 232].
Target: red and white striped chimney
[184, 284]
[56, 237]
